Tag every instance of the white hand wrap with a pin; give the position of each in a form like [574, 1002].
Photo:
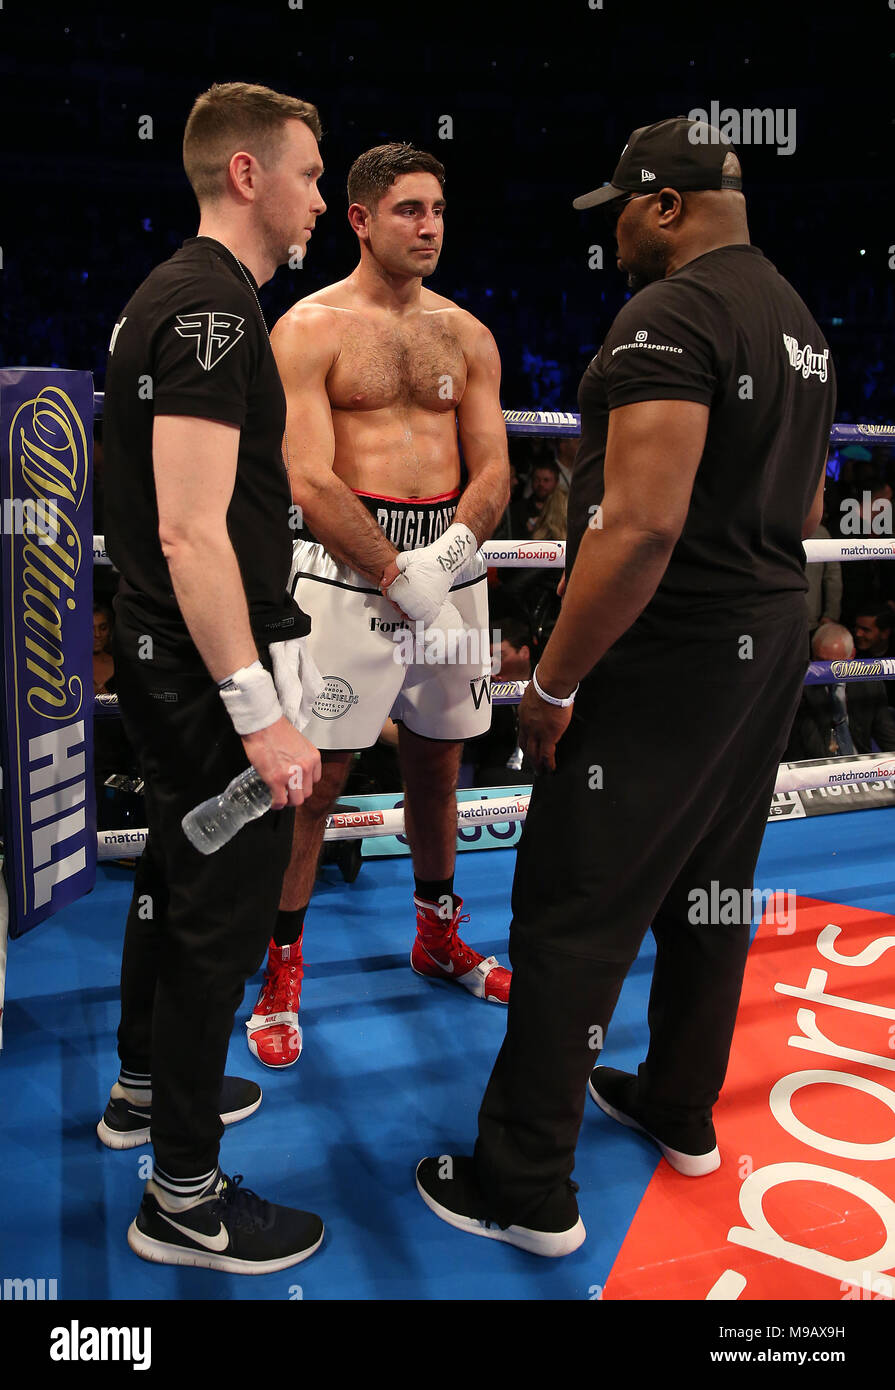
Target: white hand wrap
[251, 699]
[447, 620]
[427, 574]
[297, 679]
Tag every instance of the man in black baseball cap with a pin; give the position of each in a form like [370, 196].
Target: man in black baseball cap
[687, 155]
[660, 708]
[690, 157]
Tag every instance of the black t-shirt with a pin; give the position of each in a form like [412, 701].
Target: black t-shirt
[192, 341]
[728, 331]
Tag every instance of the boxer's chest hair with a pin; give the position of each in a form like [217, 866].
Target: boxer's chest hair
[380, 365]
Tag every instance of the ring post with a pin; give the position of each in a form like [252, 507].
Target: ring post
[46, 617]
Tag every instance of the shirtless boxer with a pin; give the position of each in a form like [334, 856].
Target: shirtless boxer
[380, 374]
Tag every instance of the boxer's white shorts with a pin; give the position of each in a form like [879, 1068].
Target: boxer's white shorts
[376, 665]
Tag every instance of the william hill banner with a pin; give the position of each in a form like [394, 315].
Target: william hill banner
[46, 592]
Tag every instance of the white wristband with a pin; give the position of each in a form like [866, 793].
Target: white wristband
[551, 699]
[251, 699]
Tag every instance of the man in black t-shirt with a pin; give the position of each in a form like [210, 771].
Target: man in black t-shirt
[209, 666]
[705, 422]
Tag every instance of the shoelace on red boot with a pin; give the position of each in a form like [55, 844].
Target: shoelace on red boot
[281, 990]
[445, 944]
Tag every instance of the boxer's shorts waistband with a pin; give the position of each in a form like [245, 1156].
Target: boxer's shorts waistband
[411, 522]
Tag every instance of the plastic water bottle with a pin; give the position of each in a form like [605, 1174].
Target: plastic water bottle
[211, 825]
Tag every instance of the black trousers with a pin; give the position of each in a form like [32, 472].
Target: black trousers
[647, 804]
[198, 924]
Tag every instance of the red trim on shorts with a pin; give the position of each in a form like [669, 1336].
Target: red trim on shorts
[417, 501]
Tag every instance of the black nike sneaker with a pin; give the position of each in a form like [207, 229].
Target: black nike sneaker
[125, 1125]
[449, 1187]
[232, 1229]
[690, 1149]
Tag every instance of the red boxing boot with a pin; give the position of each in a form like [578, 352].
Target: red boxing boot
[273, 1032]
[439, 954]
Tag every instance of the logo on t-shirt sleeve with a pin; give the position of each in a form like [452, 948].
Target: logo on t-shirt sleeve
[805, 359]
[115, 331]
[642, 340]
[215, 333]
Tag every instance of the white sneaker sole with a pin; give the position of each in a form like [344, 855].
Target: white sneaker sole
[690, 1165]
[549, 1243]
[161, 1253]
[115, 1140]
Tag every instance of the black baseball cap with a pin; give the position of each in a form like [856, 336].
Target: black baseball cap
[678, 153]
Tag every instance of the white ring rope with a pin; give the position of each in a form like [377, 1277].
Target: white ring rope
[494, 810]
[552, 554]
